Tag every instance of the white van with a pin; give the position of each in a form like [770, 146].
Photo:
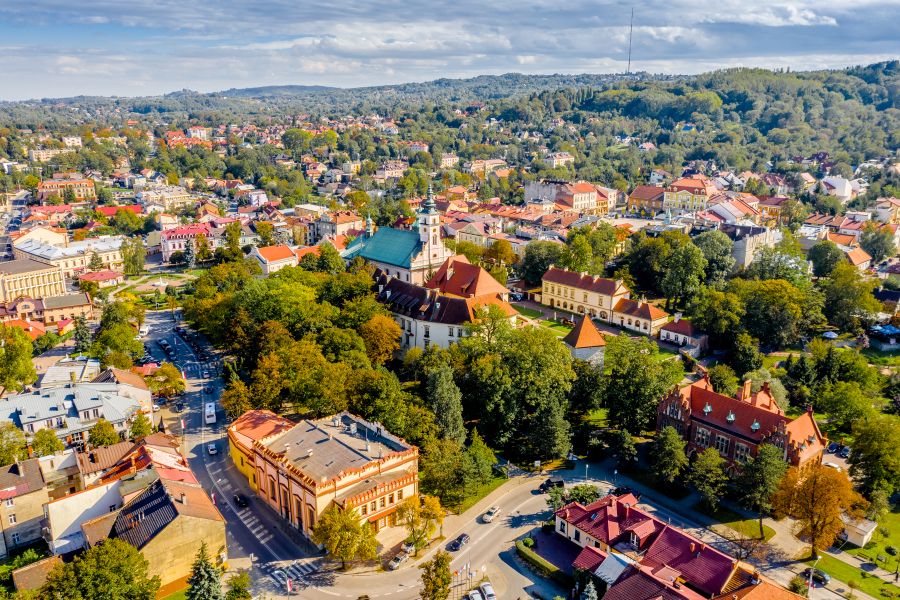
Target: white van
[144, 330]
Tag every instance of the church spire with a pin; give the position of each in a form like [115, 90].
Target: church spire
[429, 207]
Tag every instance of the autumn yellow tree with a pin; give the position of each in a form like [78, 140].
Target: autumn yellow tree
[381, 335]
[816, 497]
[420, 516]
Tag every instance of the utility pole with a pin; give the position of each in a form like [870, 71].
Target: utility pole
[630, 34]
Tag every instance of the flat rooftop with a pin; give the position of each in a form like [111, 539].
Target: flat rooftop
[23, 265]
[324, 447]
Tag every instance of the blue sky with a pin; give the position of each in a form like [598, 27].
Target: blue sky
[56, 48]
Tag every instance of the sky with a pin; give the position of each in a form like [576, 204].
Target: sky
[60, 48]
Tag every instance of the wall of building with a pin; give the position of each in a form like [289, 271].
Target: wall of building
[28, 510]
[172, 552]
[243, 461]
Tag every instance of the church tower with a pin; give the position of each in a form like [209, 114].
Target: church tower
[429, 224]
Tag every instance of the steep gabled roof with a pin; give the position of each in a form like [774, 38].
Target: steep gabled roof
[641, 310]
[457, 277]
[584, 335]
[583, 281]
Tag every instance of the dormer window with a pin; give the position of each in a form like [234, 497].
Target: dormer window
[730, 418]
[755, 426]
[707, 409]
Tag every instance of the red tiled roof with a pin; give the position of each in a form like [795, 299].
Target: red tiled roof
[276, 253]
[589, 559]
[704, 567]
[110, 211]
[105, 275]
[646, 192]
[858, 256]
[607, 287]
[457, 277]
[641, 310]
[584, 335]
[682, 327]
[257, 424]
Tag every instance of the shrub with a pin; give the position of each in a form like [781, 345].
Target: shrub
[528, 542]
[797, 585]
[541, 566]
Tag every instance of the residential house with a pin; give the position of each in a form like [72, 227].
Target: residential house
[342, 460]
[23, 496]
[104, 278]
[170, 197]
[556, 160]
[887, 210]
[274, 258]
[684, 333]
[646, 200]
[639, 316]
[736, 427]
[391, 169]
[688, 194]
[70, 411]
[83, 189]
[858, 257]
[251, 426]
[748, 239]
[448, 160]
[177, 239]
[771, 208]
[341, 222]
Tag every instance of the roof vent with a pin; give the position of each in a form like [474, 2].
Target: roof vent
[730, 418]
[707, 409]
[353, 428]
[335, 421]
[309, 452]
[755, 426]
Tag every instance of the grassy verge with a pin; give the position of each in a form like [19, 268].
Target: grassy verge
[541, 566]
[882, 359]
[866, 583]
[528, 312]
[177, 596]
[480, 492]
[558, 328]
[748, 528]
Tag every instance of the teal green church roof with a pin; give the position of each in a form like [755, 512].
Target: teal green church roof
[397, 247]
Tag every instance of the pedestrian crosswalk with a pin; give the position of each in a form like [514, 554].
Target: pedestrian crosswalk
[296, 571]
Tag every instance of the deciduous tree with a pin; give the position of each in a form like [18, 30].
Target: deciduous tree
[817, 496]
[113, 570]
[878, 242]
[684, 273]
[421, 517]
[436, 577]
[848, 298]
[166, 381]
[825, 256]
[140, 427]
[344, 537]
[723, 379]
[12, 443]
[668, 460]
[716, 248]
[16, 368]
[760, 478]
[708, 476]
[46, 443]
[445, 400]
[875, 461]
[103, 434]
[381, 335]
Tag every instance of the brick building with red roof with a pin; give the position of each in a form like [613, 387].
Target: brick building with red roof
[737, 426]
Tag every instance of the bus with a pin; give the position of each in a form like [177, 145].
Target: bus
[210, 413]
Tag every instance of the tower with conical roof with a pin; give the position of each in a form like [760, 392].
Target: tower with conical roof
[429, 225]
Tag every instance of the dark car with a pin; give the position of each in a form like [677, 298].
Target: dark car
[832, 448]
[552, 482]
[820, 577]
[459, 542]
[845, 452]
[179, 407]
[240, 501]
[621, 491]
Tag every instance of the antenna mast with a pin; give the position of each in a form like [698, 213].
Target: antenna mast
[630, 33]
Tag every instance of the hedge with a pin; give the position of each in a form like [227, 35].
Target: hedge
[543, 567]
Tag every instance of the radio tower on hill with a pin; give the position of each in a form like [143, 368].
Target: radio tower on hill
[630, 33]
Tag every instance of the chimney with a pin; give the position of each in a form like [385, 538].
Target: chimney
[745, 391]
[693, 547]
[809, 409]
[183, 498]
[676, 317]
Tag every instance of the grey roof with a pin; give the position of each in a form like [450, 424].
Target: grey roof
[23, 265]
[67, 301]
[20, 478]
[323, 448]
[104, 243]
[68, 403]
[82, 368]
[145, 516]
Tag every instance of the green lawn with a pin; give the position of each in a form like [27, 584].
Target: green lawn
[866, 583]
[877, 547]
[747, 527]
[479, 492]
[177, 596]
[598, 417]
[528, 312]
[769, 361]
[558, 329]
[882, 359]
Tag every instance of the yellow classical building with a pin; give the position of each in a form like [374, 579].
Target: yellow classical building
[251, 426]
[30, 279]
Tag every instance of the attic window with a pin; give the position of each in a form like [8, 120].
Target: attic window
[707, 409]
[755, 426]
[811, 439]
[730, 418]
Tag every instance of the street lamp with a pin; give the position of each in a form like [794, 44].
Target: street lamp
[812, 571]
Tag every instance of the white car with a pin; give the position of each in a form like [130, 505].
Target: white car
[155, 407]
[397, 561]
[491, 514]
[205, 374]
[211, 448]
[475, 595]
[487, 590]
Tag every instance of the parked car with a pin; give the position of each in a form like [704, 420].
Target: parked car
[408, 547]
[211, 448]
[240, 501]
[205, 374]
[832, 448]
[179, 407]
[622, 490]
[398, 560]
[490, 514]
[845, 452]
[487, 590]
[820, 577]
[459, 542]
[554, 481]
[475, 595]
[155, 407]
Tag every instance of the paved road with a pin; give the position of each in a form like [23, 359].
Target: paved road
[258, 532]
